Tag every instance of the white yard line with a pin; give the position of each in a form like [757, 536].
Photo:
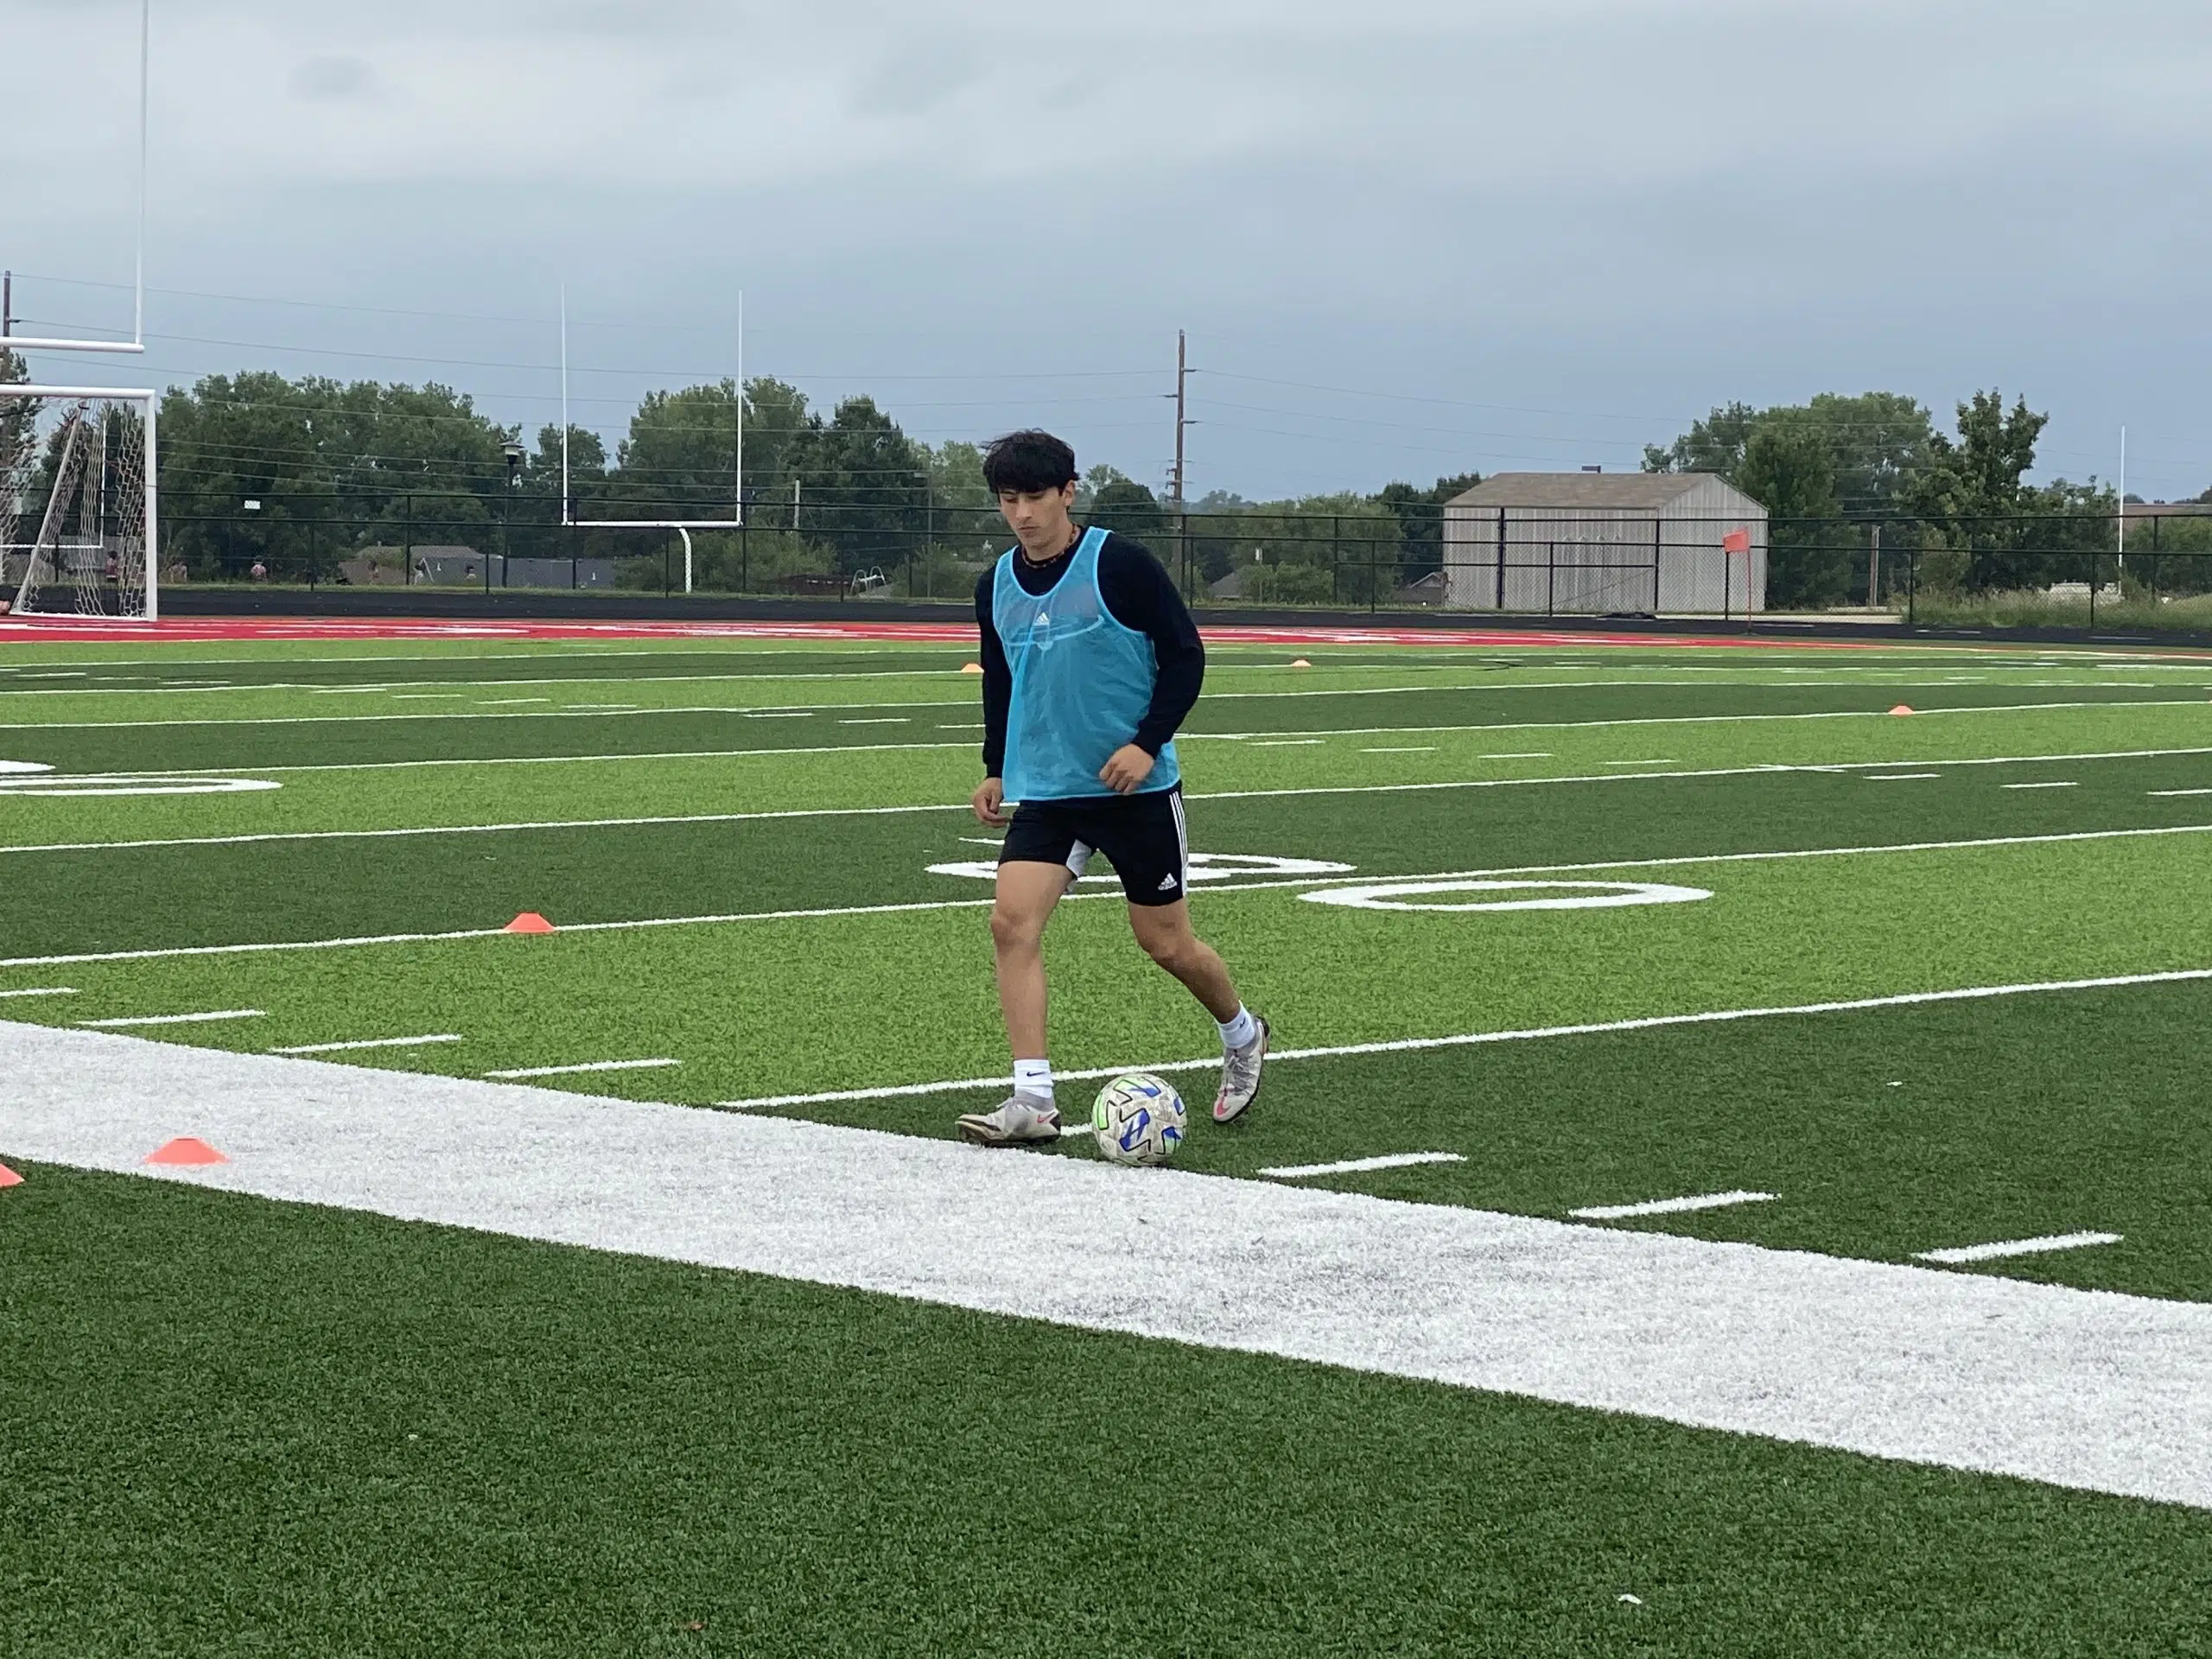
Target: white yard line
[174, 1018]
[2016, 1247]
[2169, 792]
[42, 991]
[359, 1044]
[518, 826]
[258, 947]
[585, 1065]
[2069, 784]
[1215, 697]
[1900, 777]
[1669, 1206]
[2098, 1391]
[1423, 748]
[1360, 1166]
[1475, 1039]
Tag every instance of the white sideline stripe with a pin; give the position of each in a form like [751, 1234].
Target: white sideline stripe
[368, 1042]
[1467, 1039]
[1777, 767]
[42, 991]
[1356, 692]
[2017, 1247]
[1978, 1372]
[153, 953]
[1669, 1206]
[584, 1066]
[1359, 1166]
[175, 1018]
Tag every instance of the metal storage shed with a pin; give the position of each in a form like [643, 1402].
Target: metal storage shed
[1600, 542]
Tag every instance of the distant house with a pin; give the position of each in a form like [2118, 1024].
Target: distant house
[1599, 542]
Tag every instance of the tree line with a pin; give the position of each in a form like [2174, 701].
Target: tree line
[336, 465]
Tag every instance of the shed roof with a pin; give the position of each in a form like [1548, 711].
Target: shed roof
[1631, 491]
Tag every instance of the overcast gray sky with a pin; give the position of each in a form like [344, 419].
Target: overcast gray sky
[1407, 238]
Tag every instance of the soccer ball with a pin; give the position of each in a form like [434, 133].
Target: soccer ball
[1138, 1119]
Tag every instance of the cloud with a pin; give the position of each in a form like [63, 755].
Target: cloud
[332, 80]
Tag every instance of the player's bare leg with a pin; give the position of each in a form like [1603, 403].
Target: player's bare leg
[1164, 932]
[1026, 896]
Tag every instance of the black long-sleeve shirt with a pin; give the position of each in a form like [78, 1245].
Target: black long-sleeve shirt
[1139, 595]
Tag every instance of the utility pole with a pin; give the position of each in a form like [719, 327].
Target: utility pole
[1182, 375]
[7, 302]
[1182, 519]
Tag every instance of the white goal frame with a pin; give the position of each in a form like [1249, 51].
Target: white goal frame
[146, 402]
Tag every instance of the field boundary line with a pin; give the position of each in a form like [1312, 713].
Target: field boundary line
[771, 813]
[1286, 882]
[968, 702]
[1470, 1039]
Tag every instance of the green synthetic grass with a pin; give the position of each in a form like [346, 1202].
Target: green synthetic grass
[238, 1427]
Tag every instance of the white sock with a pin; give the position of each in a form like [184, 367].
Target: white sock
[1033, 1078]
[1235, 1033]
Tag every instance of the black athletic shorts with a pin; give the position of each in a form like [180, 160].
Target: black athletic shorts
[1140, 834]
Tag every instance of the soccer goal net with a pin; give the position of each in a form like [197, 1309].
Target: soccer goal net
[77, 495]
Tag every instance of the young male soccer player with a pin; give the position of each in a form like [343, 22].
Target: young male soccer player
[1090, 661]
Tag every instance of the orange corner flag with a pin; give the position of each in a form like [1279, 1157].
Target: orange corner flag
[9, 1178]
[185, 1149]
[529, 922]
[1902, 708]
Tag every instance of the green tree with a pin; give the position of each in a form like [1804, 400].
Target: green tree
[1788, 468]
[1125, 506]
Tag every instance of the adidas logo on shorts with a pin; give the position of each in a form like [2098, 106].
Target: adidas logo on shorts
[1167, 884]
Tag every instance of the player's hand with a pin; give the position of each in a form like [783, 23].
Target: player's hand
[988, 800]
[1126, 768]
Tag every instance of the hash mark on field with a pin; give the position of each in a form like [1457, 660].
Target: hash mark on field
[2068, 784]
[1419, 748]
[1664, 760]
[425, 696]
[367, 1042]
[586, 1065]
[2016, 1247]
[174, 1018]
[1899, 776]
[1519, 754]
[1357, 1166]
[43, 990]
[2182, 792]
[1669, 1206]
[501, 702]
[1284, 743]
[879, 720]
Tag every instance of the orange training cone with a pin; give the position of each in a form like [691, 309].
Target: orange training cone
[9, 1178]
[186, 1149]
[529, 922]
[1902, 708]
[1300, 663]
[971, 667]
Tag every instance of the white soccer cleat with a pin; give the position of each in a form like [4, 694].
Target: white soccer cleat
[1240, 1076]
[1019, 1120]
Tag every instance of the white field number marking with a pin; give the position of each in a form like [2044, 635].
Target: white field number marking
[1204, 867]
[1669, 1206]
[47, 782]
[1572, 895]
[2017, 1247]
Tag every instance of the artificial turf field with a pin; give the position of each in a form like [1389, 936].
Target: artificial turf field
[237, 1425]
